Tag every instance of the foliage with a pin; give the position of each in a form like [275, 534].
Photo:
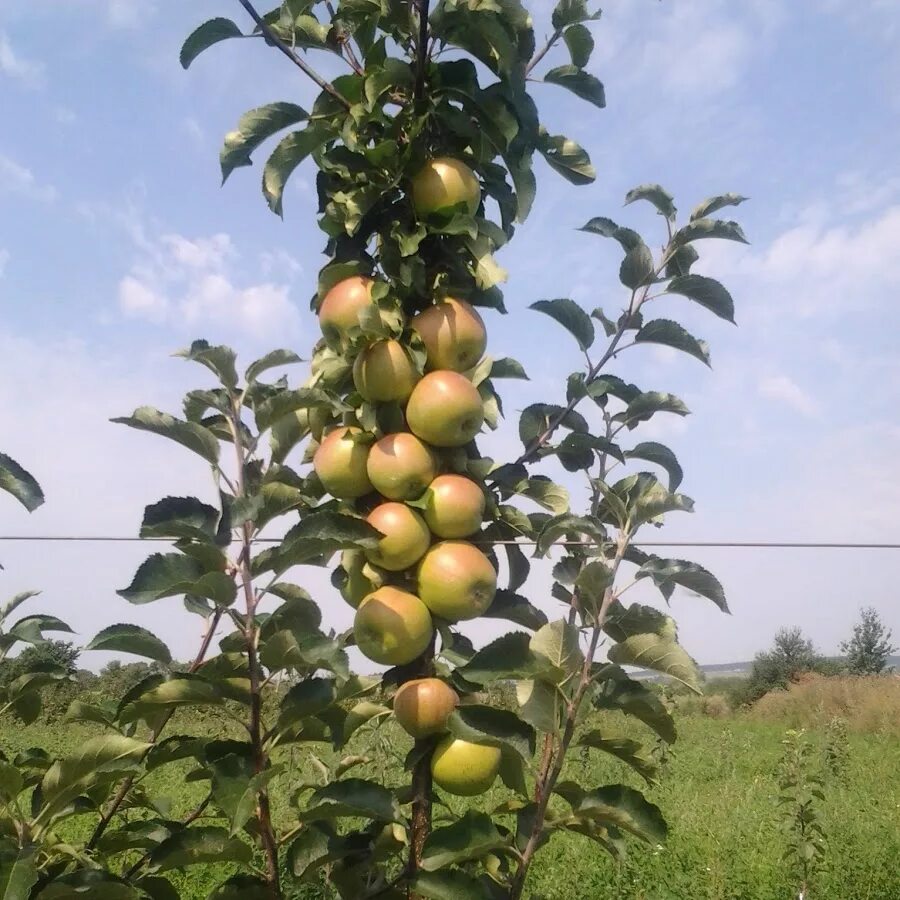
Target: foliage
[869, 649]
[791, 656]
[837, 747]
[800, 798]
[279, 682]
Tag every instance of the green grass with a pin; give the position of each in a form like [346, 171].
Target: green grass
[717, 792]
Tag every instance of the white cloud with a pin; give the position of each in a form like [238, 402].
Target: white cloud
[787, 391]
[188, 283]
[15, 66]
[18, 179]
[128, 13]
[274, 261]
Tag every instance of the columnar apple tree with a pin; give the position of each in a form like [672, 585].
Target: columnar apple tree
[424, 150]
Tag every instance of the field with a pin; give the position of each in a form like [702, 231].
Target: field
[718, 793]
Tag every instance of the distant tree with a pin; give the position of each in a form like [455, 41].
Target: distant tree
[868, 650]
[57, 653]
[117, 678]
[791, 655]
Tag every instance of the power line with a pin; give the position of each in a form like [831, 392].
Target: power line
[738, 545]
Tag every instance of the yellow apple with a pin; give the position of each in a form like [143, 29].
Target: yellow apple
[454, 505]
[362, 577]
[341, 306]
[400, 466]
[423, 706]
[442, 184]
[465, 769]
[406, 537]
[456, 581]
[392, 627]
[453, 334]
[445, 409]
[384, 372]
[340, 463]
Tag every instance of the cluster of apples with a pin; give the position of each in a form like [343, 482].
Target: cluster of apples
[423, 566]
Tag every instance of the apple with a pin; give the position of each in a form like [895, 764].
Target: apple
[384, 372]
[341, 306]
[406, 537]
[464, 769]
[400, 466]
[442, 185]
[456, 581]
[445, 409]
[453, 334]
[392, 627]
[454, 505]
[340, 463]
[362, 578]
[423, 706]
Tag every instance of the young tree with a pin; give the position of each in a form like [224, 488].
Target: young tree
[791, 655]
[869, 648]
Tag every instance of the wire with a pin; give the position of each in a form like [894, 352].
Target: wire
[739, 545]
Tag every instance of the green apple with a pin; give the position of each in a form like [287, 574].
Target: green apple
[341, 307]
[384, 372]
[422, 706]
[340, 463]
[454, 505]
[456, 581]
[362, 578]
[453, 334]
[442, 185]
[464, 769]
[445, 409]
[406, 537]
[392, 627]
[400, 466]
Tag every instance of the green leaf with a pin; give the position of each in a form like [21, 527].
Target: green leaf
[515, 608]
[647, 499]
[617, 691]
[11, 782]
[570, 12]
[18, 871]
[195, 437]
[637, 268]
[699, 229]
[253, 128]
[307, 698]
[70, 776]
[667, 573]
[658, 196]
[714, 204]
[571, 316]
[568, 524]
[20, 483]
[622, 622]
[627, 238]
[632, 753]
[546, 493]
[271, 360]
[592, 582]
[471, 837]
[235, 788]
[671, 334]
[506, 657]
[647, 404]
[241, 887]
[540, 704]
[79, 711]
[220, 360]
[209, 33]
[199, 845]
[680, 261]
[580, 43]
[539, 417]
[556, 649]
[626, 808]
[650, 451]
[90, 884]
[290, 152]
[507, 368]
[661, 654]
[352, 798]
[494, 727]
[566, 157]
[162, 575]
[181, 517]
[486, 271]
[708, 292]
[579, 82]
[284, 403]
[450, 884]
[131, 639]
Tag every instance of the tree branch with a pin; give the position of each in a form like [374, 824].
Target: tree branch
[421, 47]
[543, 51]
[273, 39]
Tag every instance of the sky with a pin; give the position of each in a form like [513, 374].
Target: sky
[118, 246]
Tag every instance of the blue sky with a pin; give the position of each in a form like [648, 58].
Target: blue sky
[117, 246]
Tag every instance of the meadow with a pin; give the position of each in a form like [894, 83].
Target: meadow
[717, 790]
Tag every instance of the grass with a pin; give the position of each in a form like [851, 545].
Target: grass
[717, 791]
